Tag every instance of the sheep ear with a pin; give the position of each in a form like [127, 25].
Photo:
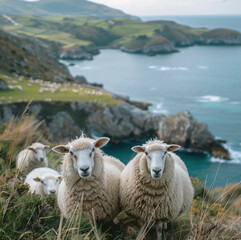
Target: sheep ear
[100, 142]
[46, 146]
[30, 148]
[138, 149]
[173, 147]
[37, 179]
[62, 149]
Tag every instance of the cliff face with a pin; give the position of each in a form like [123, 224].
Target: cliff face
[19, 55]
[64, 121]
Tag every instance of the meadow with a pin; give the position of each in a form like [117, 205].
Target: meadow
[25, 90]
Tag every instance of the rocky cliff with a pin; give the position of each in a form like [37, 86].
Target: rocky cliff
[66, 120]
[20, 55]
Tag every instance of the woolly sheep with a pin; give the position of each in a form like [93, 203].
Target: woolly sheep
[89, 177]
[155, 186]
[32, 157]
[43, 181]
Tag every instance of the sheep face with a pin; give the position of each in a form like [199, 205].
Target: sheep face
[155, 156]
[83, 159]
[39, 153]
[49, 183]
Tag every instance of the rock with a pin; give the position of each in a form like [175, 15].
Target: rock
[76, 52]
[184, 130]
[220, 37]
[3, 85]
[81, 79]
[66, 120]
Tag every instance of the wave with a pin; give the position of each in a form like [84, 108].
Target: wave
[152, 67]
[203, 67]
[211, 98]
[234, 155]
[165, 68]
[159, 109]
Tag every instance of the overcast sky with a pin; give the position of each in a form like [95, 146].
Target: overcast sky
[175, 7]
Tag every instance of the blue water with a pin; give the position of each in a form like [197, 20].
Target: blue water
[218, 21]
[206, 80]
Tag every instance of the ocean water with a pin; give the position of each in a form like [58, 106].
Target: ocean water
[206, 80]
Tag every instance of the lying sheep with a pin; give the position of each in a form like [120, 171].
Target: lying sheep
[32, 157]
[43, 181]
[89, 177]
[155, 186]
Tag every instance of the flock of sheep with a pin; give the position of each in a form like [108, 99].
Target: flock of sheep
[154, 186]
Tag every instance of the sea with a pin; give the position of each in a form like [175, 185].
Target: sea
[205, 80]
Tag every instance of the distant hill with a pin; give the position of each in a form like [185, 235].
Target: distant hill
[61, 7]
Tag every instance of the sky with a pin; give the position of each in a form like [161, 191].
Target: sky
[175, 7]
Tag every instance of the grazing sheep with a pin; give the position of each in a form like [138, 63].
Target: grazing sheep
[155, 186]
[32, 157]
[91, 177]
[43, 181]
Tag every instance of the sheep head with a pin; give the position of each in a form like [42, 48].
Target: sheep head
[155, 155]
[50, 183]
[82, 153]
[39, 152]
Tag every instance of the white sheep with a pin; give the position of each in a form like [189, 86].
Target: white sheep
[155, 186]
[43, 181]
[32, 157]
[90, 177]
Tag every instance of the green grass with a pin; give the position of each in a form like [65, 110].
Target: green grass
[31, 93]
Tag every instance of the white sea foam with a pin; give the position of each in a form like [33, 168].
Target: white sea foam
[234, 155]
[160, 109]
[235, 103]
[152, 67]
[210, 98]
[165, 68]
[203, 67]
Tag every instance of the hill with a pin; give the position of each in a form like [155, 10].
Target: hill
[22, 56]
[60, 7]
[79, 37]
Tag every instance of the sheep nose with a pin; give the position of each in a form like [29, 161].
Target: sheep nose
[156, 171]
[84, 169]
[52, 191]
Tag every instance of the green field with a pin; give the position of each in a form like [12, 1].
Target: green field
[83, 30]
[63, 93]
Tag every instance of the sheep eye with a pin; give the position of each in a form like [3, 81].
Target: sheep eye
[71, 153]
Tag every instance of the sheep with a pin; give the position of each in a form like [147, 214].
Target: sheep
[43, 181]
[32, 157]
[155, 186]
[89, 177]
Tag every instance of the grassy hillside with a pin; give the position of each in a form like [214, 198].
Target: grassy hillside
[37, 90]
[214, 214]
[21, 56]
[60, 7]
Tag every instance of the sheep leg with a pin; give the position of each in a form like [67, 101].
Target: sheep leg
[159, 227]
[141, 233]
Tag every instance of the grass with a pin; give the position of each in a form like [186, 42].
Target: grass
[63, 93]
[214, 215]
[64, 29]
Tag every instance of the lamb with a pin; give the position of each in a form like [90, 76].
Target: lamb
[43, 181]
[32, 157]
[155, 186]
[89, 177]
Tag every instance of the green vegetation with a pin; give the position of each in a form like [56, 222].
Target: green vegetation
[98, 31]
[37, 90]
[214, 214]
